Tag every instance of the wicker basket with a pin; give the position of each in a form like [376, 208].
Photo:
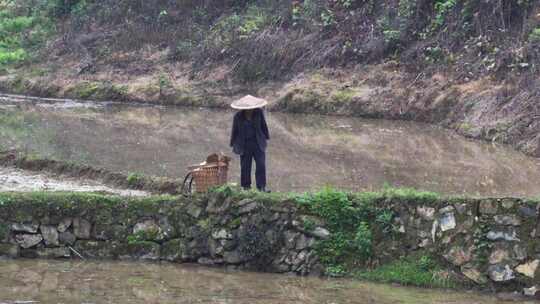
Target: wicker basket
[209, 175]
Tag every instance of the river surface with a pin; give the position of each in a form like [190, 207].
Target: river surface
[306, 151]
[52, 282]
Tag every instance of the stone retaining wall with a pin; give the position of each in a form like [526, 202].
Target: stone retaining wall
[492, 243]
[212, 231]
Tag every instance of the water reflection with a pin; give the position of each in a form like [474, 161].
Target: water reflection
[123, 282]
[306, 151]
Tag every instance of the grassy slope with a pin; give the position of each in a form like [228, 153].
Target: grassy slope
[468, 65]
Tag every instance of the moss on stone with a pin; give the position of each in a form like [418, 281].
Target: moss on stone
[9, 250]
[174, 250]
[141, 250]
[4, 231]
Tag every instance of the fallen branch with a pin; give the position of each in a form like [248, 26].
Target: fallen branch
[77, 253]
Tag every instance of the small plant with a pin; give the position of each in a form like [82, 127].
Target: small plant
[425, 263]
[328, 18]
[434, 54]
[142, 236]
[363, 240]
[346, 3]
[534, 36]
[442, 8]
[309, 225]
[335, 271]
[182, 51]
[391, 36]
[163, 83]
[384, 219]
[133, 179]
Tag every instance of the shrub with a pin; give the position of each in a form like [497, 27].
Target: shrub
[363, 240]
[534, 36]
[134, 179]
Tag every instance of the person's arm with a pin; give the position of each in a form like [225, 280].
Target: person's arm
[234, 130]
[264, 126]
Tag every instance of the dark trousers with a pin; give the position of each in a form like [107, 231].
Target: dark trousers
[252, 152]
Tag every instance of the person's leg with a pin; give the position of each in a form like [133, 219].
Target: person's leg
[260, 169]
[246, 160]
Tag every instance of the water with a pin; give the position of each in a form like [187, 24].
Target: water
[306, 151]
[52, 282]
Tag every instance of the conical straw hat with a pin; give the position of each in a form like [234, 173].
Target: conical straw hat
[249, 102]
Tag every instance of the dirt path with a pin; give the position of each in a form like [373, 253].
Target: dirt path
[13, 179]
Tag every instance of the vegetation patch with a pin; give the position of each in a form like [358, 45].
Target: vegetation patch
[534, 36]
[418, 270]
[98, 91]
[353, 220]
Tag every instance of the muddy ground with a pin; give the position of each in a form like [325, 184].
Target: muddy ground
[13, 179]
[484, 108]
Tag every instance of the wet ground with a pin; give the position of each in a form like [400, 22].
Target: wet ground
[51, 282]
[12, 179]
[306, 151]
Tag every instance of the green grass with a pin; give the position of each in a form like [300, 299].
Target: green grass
[534, 36]
[343, 96]
[134, 179]
[418, 271]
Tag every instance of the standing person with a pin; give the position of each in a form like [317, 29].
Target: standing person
[249, 137]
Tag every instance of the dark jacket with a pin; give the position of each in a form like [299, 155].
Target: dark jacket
[238, 138]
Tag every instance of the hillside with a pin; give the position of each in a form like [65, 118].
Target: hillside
[469, 65]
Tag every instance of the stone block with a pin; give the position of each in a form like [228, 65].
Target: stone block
[507, 220]
[501, 273]
[233, 257]
[50, 235]
[28, 240]
[488, 207]
[25, 227]
[528, 269]
[193, 210]
[174, 251]
[474, 274]
[96, 249]
[527, 211]
[53, 253]
[105, 232]
[320, 232]
[81, 228]
[458, 256]
[64, 224]
[502, 235]
[222, 234]
[447, 221]
[426, 213]
[66, 238]
[498, 256]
